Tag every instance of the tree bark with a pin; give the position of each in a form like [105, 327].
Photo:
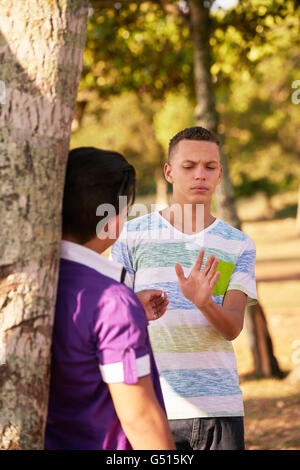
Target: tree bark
[264, 360]
[41, 48]
[206, 114]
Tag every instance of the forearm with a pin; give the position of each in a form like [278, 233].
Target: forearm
[226, 321]
[149, 430]
[141, 416]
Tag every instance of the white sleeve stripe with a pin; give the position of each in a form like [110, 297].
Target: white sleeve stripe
[114, 373]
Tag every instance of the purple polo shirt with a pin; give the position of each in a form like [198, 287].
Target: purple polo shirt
[100, 336]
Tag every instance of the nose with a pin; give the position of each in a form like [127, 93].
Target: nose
[199, 174]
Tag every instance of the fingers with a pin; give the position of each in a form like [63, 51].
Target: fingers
[214, 280]
[180, 273]
[159, 308]
[159, 313]
[212, 270]
[159, 304]
[148, 295]
[159, 295]
[199, 260]
[208, 264]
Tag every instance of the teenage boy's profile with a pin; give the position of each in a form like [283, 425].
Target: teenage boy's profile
[104, 391]
[206, 268]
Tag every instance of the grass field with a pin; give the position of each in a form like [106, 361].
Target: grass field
[272, 406]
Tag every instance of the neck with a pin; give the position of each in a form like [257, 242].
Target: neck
[189, 218]
[100, 246]
[95, 244]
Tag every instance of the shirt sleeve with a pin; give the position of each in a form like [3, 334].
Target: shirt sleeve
[122, 342]
[243, 275]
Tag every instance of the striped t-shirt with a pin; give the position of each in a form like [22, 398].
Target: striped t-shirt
[197, 365]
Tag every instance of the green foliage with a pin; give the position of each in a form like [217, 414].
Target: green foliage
[137, 82]
[250, 186]
[136, 47]
[258, 118]
[125, 126]
[176, 113]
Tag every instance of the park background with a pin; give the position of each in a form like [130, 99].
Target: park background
[138, 89]
[146, 70]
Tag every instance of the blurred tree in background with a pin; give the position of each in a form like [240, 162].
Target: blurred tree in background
[145, 49]
[139, 53]
[126, 125]
[234, 68]
[256, 60]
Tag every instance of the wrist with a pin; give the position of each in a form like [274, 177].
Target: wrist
[205, 306]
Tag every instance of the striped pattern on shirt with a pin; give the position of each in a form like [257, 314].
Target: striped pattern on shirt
[197, 365]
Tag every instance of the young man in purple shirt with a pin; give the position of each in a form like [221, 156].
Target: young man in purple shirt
[105, 391]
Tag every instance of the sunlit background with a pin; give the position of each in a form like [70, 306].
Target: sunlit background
[138, 89]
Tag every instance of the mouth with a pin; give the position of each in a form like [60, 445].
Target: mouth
[199, 189]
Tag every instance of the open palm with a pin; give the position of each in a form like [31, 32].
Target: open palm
[199, 285]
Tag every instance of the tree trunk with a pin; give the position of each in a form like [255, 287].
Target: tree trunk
[206, 115]
[264, 361]
[41, 48]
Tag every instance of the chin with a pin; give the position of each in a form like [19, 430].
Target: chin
[200, 198]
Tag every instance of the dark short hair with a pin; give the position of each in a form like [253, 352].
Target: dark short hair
[93, 177]
[192, 133]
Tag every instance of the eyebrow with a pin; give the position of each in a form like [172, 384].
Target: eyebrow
[192, 161]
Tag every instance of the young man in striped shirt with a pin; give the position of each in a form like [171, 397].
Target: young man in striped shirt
[206, 268]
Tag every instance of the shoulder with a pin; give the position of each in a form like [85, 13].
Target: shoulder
[91, 283]
[107, 300]
[120, 308]
[120, 292]
[229, 233]
[121, 297]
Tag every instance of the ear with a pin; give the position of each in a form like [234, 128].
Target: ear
[168, 172]
[220, 174]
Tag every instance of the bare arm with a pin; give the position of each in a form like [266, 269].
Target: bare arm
[228, 319]
[144, 422]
